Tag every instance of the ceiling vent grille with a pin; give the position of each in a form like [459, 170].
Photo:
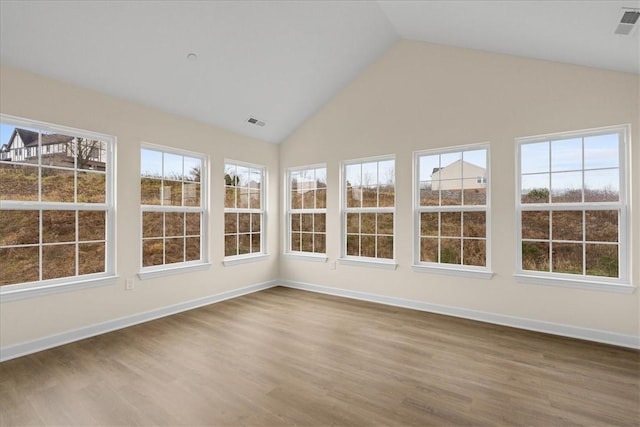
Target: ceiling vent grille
[628, 23]
[255, 121]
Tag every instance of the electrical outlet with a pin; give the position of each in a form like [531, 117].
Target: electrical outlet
[129, 285]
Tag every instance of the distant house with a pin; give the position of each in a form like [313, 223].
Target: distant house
[448, 177]
[59, 150]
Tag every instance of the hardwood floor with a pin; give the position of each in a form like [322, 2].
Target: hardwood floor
[289, 357]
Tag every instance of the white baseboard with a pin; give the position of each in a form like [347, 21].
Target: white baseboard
[22, 349]
[622, 340]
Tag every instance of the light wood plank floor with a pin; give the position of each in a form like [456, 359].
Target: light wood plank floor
[289, 357]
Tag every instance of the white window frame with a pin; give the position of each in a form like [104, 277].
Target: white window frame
[289, 252]
[345, 259]
[622, 283]
[255, 256]
[443, 268]
[64, 284]
[203, 263]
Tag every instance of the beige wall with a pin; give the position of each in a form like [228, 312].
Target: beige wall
[34, 97]
[423, 96]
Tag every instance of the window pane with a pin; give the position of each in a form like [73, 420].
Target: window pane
[475, 191]
[172, 167]
[255, 178]
[19, 265]
[150, 191]
[353, 175]
[354, 197]
[601, 151]
[474, 252]
[18, 182]
[601, 226]
[370, 174]
[19, 228]
[242, 176]
[566, 187]
[427, 166]
[191, 194]
[321, 198]
[244, 223]
[230, 245]
[535, 224]
[368, 246]
[307, 242]
[192, 249]
[255, 243]
[254, 199]
[602, 185]
[150, 163]
[319, 223]
[450, 166]
[475, 163]
[451, 224]
[308, 199]
[385, 247]
[243, 198]
[174, 250]
[92, 187]
[534, 157]
[429, 224]
[602, 260]
[172, 193]
[244, 244]
[368, 223]
[174, 224]
[58, 261]
[58, 226]
[296, 241]
[428, 195]
[296, 200]
[193, 224]
[428, 250]
[57, 185]
[567, 225]
[385, 223]
[353, 244]
[370, 197]
[321, 177]
[91, 225]
[152, 224]
[535, 256]
[231, 175]
[567, 258]
[62, 149]
[451, 192]
[296, 222]
[307, 222]
[474, 224]
[353, 223]
[566, 154]
[386, 173]
[256, 223]
[386, 196]
[230, 197]
[450, 251]
[535, 188]
[91, 154]
[319, 243]
[91, 258]
[192, 169]
[152, 252]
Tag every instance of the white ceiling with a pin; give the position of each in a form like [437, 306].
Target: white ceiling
[280, 61]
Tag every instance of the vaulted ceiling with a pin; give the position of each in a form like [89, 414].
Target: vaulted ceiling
[280, 61]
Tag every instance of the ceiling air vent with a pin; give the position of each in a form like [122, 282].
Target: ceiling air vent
[628, 23]
[255, 121]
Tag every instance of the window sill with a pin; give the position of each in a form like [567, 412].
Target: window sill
[306, 256]
[369, 262]
[593, 285]
[463, 272]
[18, 292]
[244, 259]
[156, 272]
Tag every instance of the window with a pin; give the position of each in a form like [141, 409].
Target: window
[173, 188]
[243, 210]
[572, 206]
[307, 210]
[56, 210]
[451, 208]
[368, 210]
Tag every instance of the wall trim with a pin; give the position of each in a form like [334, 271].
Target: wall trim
[55, 340]
[605, 337]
